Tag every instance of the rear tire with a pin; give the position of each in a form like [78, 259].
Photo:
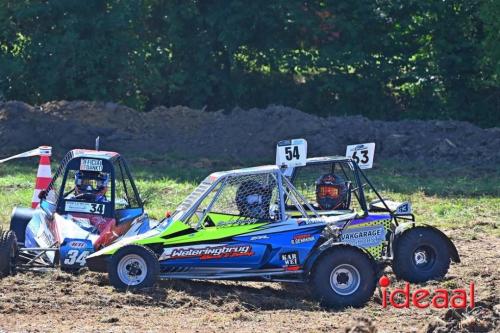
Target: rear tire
[421, 255]
[345, 276]
[133, 267]
[8, 253]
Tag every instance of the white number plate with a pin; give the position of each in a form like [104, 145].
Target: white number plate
[291, 153]
[84, 207]
[362, 154]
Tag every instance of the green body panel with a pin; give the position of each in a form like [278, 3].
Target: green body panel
[175, 226]
[206, 234]
[218, 217]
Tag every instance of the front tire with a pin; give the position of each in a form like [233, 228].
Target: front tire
[8, 253]
[133, 267]
[421, 255]
[345, 276]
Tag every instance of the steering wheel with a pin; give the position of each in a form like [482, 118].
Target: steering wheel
[86, 196]
[68, 193]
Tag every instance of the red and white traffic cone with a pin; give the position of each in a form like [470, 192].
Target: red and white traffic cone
[44, 174]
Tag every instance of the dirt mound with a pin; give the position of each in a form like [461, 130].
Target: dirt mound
[239, 135]
[483, 318]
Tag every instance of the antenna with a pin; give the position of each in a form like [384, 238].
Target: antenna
[97, 143]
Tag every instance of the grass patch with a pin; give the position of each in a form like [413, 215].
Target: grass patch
[448, 197]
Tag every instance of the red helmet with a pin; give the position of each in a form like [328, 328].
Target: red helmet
[332, 192]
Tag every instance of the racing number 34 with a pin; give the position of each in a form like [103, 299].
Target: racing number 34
[97, 208]
[292, 153]
[75, 257]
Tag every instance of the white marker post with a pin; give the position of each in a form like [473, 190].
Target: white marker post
[362, 154]
[291, 153]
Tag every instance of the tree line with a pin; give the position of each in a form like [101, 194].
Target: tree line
[385, 59]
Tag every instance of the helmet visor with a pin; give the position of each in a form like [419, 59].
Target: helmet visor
[328, 191]
[91, 183]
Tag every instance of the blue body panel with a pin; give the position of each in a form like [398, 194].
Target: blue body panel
[73, 252]
[276, 249]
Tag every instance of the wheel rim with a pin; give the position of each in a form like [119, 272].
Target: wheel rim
[132, 269]
[424, 257]
[345, 279]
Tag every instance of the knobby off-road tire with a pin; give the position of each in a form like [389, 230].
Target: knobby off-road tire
[421, 255]
[344, 276]
[133, 267]
[8, 253]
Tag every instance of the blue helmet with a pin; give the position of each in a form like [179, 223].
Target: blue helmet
[90, 182]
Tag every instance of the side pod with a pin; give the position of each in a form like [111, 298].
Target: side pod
[19, 220]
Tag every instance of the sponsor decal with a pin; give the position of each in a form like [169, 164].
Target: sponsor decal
[77, 244]
[259, 237]
[364, 236]
[423, 298]
[44, 237]
[208, 252]
[290, 258]
[302, 238]
[90, 164]
[237, 222]
[310, 221]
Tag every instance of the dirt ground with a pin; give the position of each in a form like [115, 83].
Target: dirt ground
[236, 135]
[85, 303]
[56, 301]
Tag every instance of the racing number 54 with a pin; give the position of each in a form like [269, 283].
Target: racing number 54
[292, 153]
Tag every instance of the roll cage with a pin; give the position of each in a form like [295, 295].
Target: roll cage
[110, 162]
[217, 196]
[349, 169]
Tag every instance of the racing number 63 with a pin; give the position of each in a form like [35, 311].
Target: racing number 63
[362, 154]
[364, 158]
[75, 257]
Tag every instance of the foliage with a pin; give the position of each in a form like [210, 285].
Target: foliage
[386, 59]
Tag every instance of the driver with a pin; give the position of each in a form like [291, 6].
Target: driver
[91, 186]
[332, 192]
[253, 200]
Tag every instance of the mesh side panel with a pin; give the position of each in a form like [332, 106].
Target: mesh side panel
[306, 177]
[249, 196]
[246, 197]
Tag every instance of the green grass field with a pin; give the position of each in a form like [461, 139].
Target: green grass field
[449, 197]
